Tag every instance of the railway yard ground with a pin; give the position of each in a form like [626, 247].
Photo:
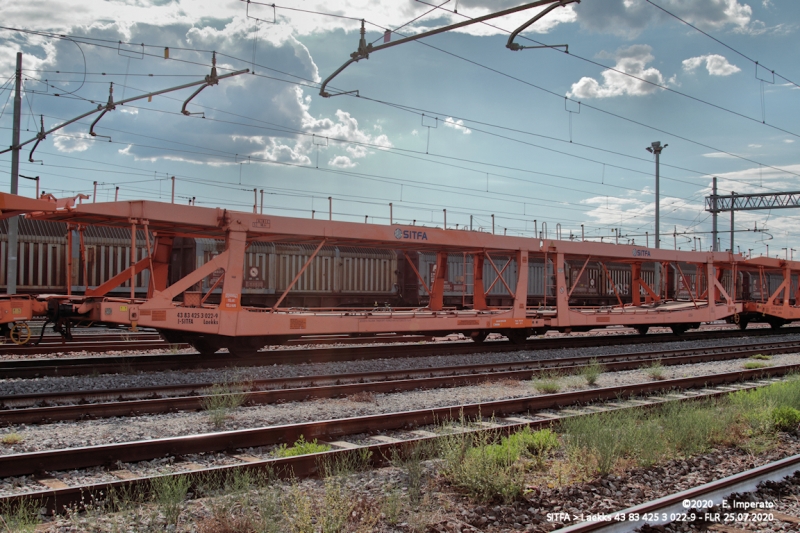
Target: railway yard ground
[532, 440]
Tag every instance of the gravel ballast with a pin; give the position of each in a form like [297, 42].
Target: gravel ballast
[146, 379]
[117, 430]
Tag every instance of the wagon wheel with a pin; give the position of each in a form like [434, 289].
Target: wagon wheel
[203, 346]
[679, 329]
[642, 330]
[20, 333]
[517, 336]
[479, 336]
[775, 322]
[741, 321]
[243, 352]
[244, 347]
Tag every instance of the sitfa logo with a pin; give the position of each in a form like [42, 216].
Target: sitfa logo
[641, 253]
[412, 235]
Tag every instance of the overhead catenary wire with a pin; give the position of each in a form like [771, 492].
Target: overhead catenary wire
[732, 49]
[418, 111]
[455, 55]
[516, 196]
[420, 185]
[635, 217]
[405, 153]
[300, 132]
[643, 80]
[468, 169]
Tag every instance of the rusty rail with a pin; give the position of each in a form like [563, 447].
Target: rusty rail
[56, 500]
[30, 368]
[315, 387]
[84, 457]
[662, 510]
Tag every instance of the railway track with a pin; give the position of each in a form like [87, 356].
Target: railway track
[76, 366]
[358, 429]
[127, 341]
[674, 508]
[55, 407]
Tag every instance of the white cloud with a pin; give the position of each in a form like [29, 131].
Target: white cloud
[631, 60]
[357, 150]
[477, 8]
[754, 146]
[39, 53]
[637, 208]
[788, 141]
[630, 17]
[716, 65]
[227, 17]
[757, 27]
[719, 155]
[283, 153]
[457, 125]
[72, 142]
[758, 180]
[341, 161]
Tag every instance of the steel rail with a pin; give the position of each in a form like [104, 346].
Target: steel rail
[317, 387]
[152, 341]
[30, 368]
[87, 347]
[88, 456]
[51, 338]
[679, 356]
[58, 500]
[664, 508]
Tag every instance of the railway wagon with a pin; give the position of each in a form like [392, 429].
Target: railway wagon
[460, 280]
[759, 287]
[592, 285]
[44, 255]
[338, 276]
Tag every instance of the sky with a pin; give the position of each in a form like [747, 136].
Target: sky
[451, 126]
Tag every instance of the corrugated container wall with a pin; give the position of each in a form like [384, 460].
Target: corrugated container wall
[42, 257]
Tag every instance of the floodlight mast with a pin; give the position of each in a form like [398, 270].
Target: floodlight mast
[364, 49]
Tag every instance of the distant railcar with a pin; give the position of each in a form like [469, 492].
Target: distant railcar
[338, 276]
[44, 256]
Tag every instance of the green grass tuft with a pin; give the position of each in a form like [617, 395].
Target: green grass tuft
[753, 365]
[301, 447]
[592, 371]
[547, 382]
[656, 371]
[169, 493]
[222, 399]
[22, 517]
[10, 439]
[536, 444]
[785, 418]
